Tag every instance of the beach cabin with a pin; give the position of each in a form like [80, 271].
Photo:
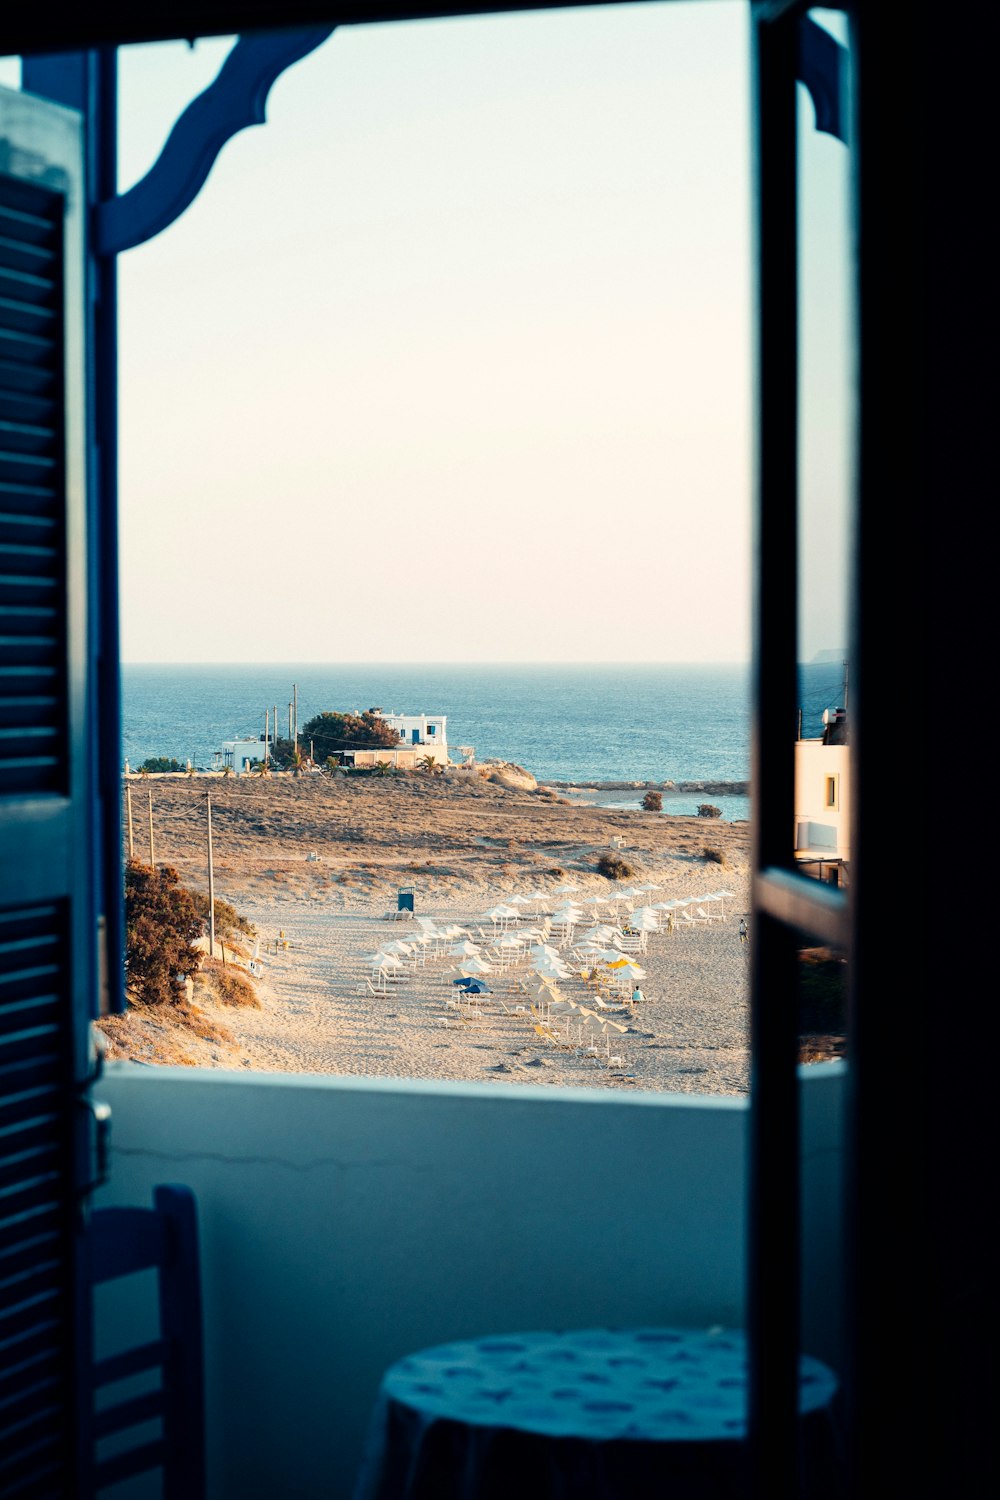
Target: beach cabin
[823, 802]
[348, 1221]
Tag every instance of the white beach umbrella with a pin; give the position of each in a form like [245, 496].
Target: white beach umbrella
[465, 949]
[645, 919]
[470, 966]
[548, 959]
[396, 946]
[627, 967]
[721, 896]
[600, 934]
[383, 959]
[511, 940]
[565, 890]
[552, 967]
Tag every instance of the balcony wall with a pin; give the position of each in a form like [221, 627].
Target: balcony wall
[347, 1221]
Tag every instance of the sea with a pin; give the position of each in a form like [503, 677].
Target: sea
[583, 723]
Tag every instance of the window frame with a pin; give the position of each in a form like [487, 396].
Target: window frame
[884, 120]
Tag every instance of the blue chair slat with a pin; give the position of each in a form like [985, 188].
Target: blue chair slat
[130, 1362]
[163, 1238]
[131, 1413]
[126, 1465]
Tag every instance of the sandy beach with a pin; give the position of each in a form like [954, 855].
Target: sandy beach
[316, 863]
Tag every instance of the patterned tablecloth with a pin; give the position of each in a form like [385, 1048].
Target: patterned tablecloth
[595, 1414]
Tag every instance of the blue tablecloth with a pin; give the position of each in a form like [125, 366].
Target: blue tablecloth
[595, 1414]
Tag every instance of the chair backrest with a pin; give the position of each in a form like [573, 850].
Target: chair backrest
[163, 1238]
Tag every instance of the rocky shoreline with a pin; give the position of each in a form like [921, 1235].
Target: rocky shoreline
[713, 788]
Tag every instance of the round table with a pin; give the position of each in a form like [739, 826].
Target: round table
[591, 1414]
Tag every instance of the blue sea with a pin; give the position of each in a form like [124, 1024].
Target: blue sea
[572, 722]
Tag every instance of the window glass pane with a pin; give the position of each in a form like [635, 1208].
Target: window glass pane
[825, 452]
[473, 309]
[822, 1002]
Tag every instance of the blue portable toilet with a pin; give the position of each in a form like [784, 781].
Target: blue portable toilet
[404, 898]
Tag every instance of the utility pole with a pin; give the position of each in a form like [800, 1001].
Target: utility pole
[289, 721]
[152, 850]
[131, 833]
[274, 719]
[211, 884]
[295, 716]
[267, 728]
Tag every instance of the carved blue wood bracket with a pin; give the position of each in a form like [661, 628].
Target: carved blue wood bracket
[234, 100]
[822, 66]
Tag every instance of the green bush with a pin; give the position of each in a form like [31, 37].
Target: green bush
[161, 924]
[653, 802]
[158, 763]
[331, 733]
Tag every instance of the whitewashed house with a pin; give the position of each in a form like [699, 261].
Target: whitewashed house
[429, 731]
[238, 754]
[823, 801]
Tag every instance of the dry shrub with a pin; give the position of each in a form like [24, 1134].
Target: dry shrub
[653, 802]
[613, 867]
[709, 810]
[230, 985]
[714, 856]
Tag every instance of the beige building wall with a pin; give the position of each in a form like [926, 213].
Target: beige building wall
[822, 800]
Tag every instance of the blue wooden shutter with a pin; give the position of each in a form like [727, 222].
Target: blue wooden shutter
[48, 921]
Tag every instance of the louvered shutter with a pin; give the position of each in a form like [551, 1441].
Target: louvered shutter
[47, 879]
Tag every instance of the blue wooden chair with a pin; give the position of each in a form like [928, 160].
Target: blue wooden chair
[168, 1413]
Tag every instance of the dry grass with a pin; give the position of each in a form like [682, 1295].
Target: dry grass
[371, 832]
[180, 1036]
[226, 984]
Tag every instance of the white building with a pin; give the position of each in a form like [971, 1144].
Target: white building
[823, 801]
[239, 754]
[426, 730]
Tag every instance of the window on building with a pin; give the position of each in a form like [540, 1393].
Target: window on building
[832, 791]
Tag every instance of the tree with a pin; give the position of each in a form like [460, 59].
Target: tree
[161, 924]
[332, 732]
[159, 763]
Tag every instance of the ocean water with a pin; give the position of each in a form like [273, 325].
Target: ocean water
[564, 722]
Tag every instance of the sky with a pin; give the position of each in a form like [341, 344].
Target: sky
[450, 361]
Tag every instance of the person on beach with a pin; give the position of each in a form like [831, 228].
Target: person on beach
[744, 931]
[637, 995]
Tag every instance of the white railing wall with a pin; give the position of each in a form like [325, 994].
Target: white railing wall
[347, 1221]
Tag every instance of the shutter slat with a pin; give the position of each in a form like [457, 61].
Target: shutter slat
[32, 520]
[40, 945]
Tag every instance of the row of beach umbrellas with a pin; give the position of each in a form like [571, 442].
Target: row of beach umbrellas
[544, 959]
